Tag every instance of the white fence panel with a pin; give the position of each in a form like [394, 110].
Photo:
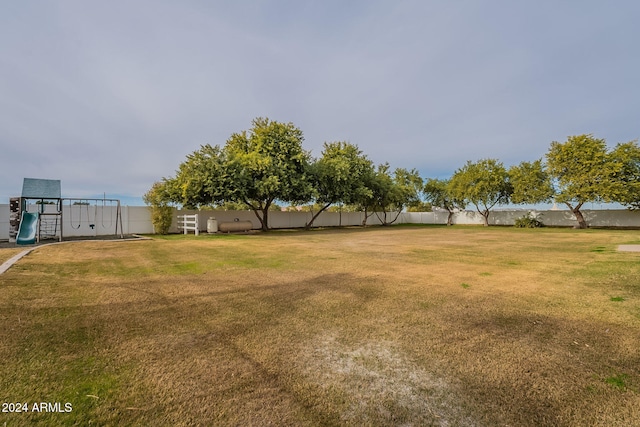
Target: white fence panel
[136, 220]
[188, 223]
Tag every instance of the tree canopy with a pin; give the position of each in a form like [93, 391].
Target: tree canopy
[530, 183]
[390, 192]
[625, 160]
[201, 180]
[436, 192]
[339, 176]
[484, 184]
[267, 164]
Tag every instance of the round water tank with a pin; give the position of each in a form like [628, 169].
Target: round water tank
[212, 225]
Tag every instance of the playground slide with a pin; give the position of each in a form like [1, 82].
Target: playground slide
[28, 229]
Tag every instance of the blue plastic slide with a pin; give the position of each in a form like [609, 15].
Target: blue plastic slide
[28, 229]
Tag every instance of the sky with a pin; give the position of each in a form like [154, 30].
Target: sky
[110, 96]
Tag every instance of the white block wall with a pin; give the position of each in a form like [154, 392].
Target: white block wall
[137, 219]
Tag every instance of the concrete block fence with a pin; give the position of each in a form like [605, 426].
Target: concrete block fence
[137, 219]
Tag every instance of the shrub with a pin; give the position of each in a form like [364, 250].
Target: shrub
[161, 218]
[161, 212]
[530, 220]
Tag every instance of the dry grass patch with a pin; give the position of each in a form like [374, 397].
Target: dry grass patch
[336, 327]
[8, 253]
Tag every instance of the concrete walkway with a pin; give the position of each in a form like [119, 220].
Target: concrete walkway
[629, 248]
[8, 263]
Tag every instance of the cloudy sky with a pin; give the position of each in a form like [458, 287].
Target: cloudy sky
[110, 96]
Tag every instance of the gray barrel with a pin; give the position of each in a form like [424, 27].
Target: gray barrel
[212, 225]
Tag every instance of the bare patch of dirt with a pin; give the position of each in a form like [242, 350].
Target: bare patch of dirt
[381, 385]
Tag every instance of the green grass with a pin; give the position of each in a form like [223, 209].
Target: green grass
[378, 326]
[618, 381]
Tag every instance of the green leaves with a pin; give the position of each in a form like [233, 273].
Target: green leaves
[531, 183]
[436, 191]
[268, 163]
[484, 184]
[161, 212]
[339, 175]
[581, 170]
[625, 164]
[391, 192]
[584, 171]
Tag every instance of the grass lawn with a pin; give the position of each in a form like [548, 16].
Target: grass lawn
[456, 326]
[6, 254]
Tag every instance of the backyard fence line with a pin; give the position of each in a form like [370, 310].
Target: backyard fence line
[137, 219]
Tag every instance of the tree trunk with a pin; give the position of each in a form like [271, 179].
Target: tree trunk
[265, 218]
[255, 210]
[582, 223]
[450, 218]
[257, 214]
[313, 218]
[383, 220]
[485, 215]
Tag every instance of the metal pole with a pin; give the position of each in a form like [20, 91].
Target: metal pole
[61, 218]
[119, 218]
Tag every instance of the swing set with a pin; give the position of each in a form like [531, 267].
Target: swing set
[106, 213]
[28, 226]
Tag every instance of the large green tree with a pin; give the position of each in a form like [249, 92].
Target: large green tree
[339, 176]
[390, 192]
[265, 164]
[484, 184]
[436, 192]
[201, 180]
[531, 183]
[625, 159]
[582, 171]
[255, 168]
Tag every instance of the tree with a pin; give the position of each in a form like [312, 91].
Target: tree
[256, 168]
[338, 176]
[267, 164]
[201, 180]
[161, 212]
[531, 183]
[436, 191]
[420, 206]
[390, 193]
[582, 172]
[625, 160]
[484, 184]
